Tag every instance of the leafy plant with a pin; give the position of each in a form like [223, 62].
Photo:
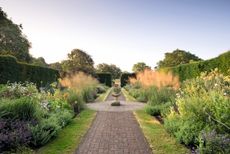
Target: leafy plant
[44, 131]
[202, 104]
[13, 133]
[24, 108]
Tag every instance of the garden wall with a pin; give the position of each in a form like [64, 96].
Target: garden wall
[13, 71]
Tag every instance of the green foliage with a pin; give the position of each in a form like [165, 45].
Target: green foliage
[44, 113]
[89, 94]
[125, 78]
[188, 71]
[70, 137]
[44, 131]
[13, 71]
[105, 78]
[159, 109]
[153, 110]
[177, 57]
[160, 141]
[24, 108]
[160, 95]
[202, 105]
[101, 88]
[139, 94]
[139, 67]
[76, 101]
[17, 90]
[12, 40]
[78, 61]
[106, 68]
[211, 143]
[40, 61]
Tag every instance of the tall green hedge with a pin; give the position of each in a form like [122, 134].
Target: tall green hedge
[187, 71]
[105, 78]
[13, 71]
[125, 78]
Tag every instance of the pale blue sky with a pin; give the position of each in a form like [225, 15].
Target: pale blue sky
[123, 32]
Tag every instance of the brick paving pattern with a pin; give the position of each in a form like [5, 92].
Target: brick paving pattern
[114, 132]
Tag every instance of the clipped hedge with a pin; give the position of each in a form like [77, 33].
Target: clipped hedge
[13, 71]
[105, 78]
[125, 78]
[192, 70]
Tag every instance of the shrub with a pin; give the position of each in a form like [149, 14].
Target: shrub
[76, 101]
[159, 109]
[13, 71]
[139, 94]
[160, 95]
[101, 88]
[64, 117]
[212, 143]
[17, 90]
[24, 108]
[44, 131]
[13, 133]
[154, 110]
[89, 94]
[203, 104]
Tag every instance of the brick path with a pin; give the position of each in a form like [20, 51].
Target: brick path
[114, 132]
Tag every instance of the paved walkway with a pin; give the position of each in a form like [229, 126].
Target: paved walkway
[114, 130]
[106, 106]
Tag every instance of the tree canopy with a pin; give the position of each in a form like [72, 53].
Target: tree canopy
[78, 60]
[12, 41]
[40, 61]
[106, 68]
[139, 67]
[177, 57]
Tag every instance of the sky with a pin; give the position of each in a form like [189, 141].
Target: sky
[122, 32]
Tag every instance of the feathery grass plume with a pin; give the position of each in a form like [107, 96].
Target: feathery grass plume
[79, 81]
[159, 79]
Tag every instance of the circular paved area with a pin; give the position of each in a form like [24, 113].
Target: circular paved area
[106, 106]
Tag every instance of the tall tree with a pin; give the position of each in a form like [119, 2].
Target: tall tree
[78, 60]
[56, 66]
[106, 68]
[177, 57]
[139, 67]
[12, 41]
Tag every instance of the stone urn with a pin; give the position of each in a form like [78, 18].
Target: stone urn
[116, 92]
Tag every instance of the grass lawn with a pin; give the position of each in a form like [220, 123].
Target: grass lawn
[69, 138]
[127, 96]
[103, 96]
[160, 141]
